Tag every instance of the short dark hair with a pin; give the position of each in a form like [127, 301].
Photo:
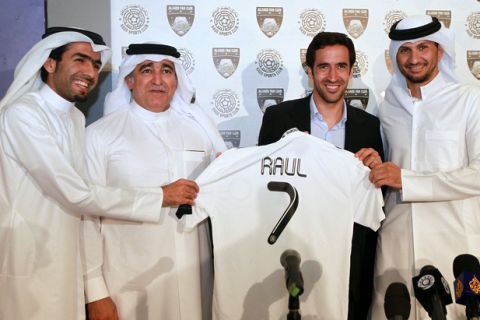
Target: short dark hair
[324, 39]
[56, 55]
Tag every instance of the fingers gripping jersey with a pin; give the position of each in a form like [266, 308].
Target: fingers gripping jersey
[299, 193]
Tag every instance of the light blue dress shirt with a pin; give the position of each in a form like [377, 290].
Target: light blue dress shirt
[319, 128]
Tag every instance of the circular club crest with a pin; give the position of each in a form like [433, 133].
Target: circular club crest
[473, 25]
[392, 17]
[360, 67]
[312, 21]
[188, 62]
[225, 21]
[269, 63]
[134, 19]
[426, 282]
[225, 103]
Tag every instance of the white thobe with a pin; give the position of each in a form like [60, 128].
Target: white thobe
[42, 198]
[151, 270]
[436, 216]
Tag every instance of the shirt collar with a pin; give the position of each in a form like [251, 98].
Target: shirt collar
[55, 100]
[314, 112]
[149, 115]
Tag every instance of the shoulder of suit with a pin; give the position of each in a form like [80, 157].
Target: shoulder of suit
[287, 105]
[361, 114]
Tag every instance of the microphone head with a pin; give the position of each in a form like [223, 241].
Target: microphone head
[428, 283]
[287, 255]
[397, 301]
[464, 263]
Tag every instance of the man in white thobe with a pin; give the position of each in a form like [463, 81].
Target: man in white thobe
[43, 186]
[432, 128]
[153, 135]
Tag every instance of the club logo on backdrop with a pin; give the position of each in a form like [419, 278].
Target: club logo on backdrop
[360, 67]
[473, 25]
[269, 63]
[355, 21]
[231, 138]
[224, 21]
[444, 16]
[225, 103]
[391, 17]
[473, 60]
[388, 62]
[357, 98]
[188, 62]
[134, 19]
[269, 20]
[226, 60]
[180, 18]
[303, 60]
[312, 21]
[267, 97]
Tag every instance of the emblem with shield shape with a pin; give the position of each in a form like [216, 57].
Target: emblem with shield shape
[269, 20]
[180, 18]
[226, 60]
[267, 97]
[355, 21]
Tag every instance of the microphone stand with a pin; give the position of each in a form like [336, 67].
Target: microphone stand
[293, 308]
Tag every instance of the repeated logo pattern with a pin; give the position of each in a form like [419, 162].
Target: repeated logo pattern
[232, 51]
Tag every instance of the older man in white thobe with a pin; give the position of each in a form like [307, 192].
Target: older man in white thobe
[153, 134]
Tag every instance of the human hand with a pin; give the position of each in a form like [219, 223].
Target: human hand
[369, 157]
[103, 309]
[386, 174]
[182, 191]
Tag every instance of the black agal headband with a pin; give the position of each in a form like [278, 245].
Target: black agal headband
[95, 37]
[414, 33]
[152, 48]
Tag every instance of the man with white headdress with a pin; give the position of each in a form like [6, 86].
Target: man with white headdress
[152, 134]
[43, 186]
[432, 128]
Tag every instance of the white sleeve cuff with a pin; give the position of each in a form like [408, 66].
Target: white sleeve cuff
[416, 187]
[95, 289]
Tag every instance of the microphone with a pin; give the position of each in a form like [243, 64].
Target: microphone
[432, 291]
[466, 269]
[397, 302]
[290, 260]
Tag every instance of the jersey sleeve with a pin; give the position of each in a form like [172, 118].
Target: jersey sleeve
[367, 201]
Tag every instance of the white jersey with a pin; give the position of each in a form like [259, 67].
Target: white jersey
[299, 193]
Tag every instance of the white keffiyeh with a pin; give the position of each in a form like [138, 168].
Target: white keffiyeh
[120, 96]
[397, 92]
[27, 73]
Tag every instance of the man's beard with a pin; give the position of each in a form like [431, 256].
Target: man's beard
[80, 98]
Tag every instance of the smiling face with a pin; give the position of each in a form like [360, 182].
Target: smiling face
[418, 62]
[153, 84]
[76, 73]
[330, 74]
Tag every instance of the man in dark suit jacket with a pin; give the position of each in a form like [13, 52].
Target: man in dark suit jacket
[330, 59]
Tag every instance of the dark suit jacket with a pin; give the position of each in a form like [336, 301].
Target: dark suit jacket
[362, 130]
